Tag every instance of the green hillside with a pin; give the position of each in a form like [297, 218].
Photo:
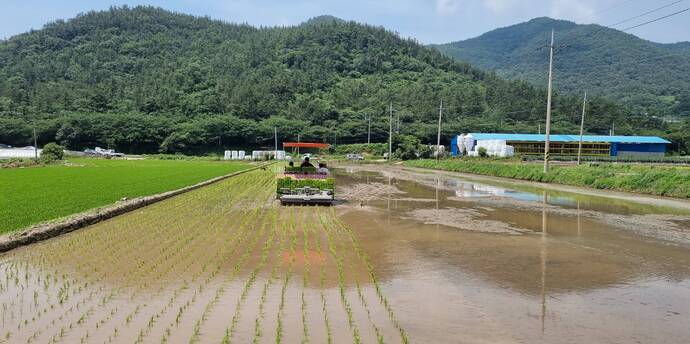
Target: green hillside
[145, 80]
[649, 77]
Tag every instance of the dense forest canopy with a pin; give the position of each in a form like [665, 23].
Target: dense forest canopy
[146, 80]
[648, 77]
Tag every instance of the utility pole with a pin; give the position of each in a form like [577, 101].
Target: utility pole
[35, 144]
[368, 118]
[613, 129]
[539, 128]
[548, 108]
[390, 132]
[438, 138]
[275, 135]
[582, 128]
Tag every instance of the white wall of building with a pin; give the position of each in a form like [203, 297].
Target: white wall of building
[8, 153]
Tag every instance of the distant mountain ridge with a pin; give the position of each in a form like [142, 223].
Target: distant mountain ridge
[651, 77]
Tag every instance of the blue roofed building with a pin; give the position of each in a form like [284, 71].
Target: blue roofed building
[567, 145]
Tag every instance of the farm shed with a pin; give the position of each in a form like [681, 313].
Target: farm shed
[567, 145]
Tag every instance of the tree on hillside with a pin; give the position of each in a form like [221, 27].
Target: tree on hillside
[146, 80]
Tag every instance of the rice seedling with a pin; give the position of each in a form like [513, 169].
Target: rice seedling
[365, 259]
[305, 278]
[341, 276]
[267, 285]
[235, 270]
[268, 244]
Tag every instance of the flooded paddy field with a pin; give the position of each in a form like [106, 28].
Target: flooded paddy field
[221, 264]
[404, 257]
[492, 261]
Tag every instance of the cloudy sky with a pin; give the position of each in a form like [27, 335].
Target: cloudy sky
[429, 21]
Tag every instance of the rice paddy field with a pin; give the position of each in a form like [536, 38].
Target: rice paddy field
[221, 264]
[33, 195]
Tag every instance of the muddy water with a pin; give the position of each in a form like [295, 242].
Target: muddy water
[483, 261]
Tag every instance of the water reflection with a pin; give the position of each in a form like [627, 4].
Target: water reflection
[528, 193]
[587, 257]
[576, 276]
[554, 276]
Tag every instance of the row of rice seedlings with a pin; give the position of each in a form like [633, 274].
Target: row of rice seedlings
[118, 238]
[26, 289]
[269, 282]
[35, 294]
[341, 274]
[322, 278]
[175, 293]
[82, 245]
[213, 259]
[236, 269]
[305, 275]
[365, 259]
[182, 242]
[342, 247]
[288, 274]
[268, 244]
[77, 303]
[143, 272]
[158, 315]
[118, 253]
[63, 293]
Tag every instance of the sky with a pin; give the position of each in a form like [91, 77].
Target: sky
[428, 21]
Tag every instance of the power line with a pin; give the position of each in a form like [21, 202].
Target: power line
[656, 19]
[604, 27]
[646, 13]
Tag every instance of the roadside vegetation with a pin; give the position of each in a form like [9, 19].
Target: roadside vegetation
[647, 179]
[33, 195]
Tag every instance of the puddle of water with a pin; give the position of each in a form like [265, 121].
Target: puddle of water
[575, 268]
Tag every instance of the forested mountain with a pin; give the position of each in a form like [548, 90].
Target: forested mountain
[649, 77]
[145, 80]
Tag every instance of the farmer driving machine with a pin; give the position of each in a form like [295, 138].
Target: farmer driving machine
[303, 183]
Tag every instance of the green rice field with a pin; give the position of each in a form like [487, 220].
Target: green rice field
[32, 195]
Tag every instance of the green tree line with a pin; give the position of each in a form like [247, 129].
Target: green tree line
[145, 80]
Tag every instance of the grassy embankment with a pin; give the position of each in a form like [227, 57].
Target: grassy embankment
[647, 179]
[32, 195]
